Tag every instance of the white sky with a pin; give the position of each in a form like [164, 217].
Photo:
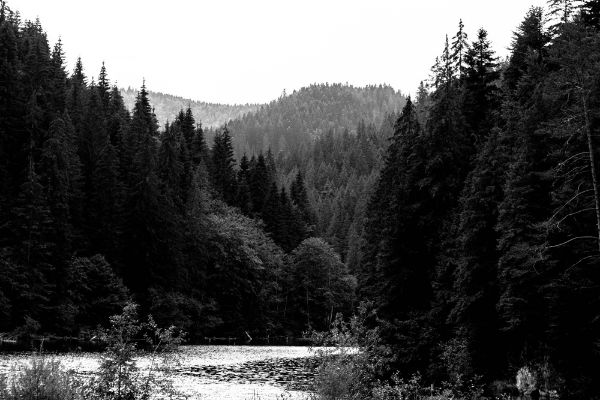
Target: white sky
[238, 51]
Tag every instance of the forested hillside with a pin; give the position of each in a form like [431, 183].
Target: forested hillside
[294, 120]
[335, 136]
[165, 106]
[99, 206]
[340, 170]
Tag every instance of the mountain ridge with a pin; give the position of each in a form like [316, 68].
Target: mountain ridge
[167, 106]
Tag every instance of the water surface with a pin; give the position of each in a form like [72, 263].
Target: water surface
[218, 372]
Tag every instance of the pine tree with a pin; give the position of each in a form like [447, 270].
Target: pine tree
[58, 80]
[61, 178]
[117, 119]
[145, 219]
[100, 171]
[481, 97]
[244, 196]
[77, 96]
[103, 88]
[199, 150]
[271, 212]
[474, 294]
[222, 173]
[460, 46]
[528, 47]
[384, 232]
[299, 197]
[188, 125]
[260, 183]
[170, 168]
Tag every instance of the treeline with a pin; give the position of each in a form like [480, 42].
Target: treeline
[481, 247]
[166, 106]
[294, 120]
[98, 206]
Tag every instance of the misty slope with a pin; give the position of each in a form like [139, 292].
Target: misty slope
[293, 120]
[166, 106]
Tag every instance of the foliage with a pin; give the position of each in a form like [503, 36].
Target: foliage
[119, 376]
[43, 378]
[352, 356]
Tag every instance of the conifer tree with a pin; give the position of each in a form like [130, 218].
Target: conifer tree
[58, 80]
[77, 96]
[103, 88]
[117, 119]
[188, 125]
[100, 171]
[244, 196]
[299, 197]
[271, 212]
[222, 163]
[475, 241]
[460, 46]
[199, 150]
[146, 219]
[528, 46]
[170, 167]
[481, 95]
[61, 169]
[260, 183]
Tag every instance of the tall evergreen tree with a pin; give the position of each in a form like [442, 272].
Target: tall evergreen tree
[460, 46]
[260, 183]
[222, 172]
[481, 98]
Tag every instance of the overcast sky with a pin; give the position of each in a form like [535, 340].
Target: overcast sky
[238, 51]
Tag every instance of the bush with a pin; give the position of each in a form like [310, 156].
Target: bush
[118, 378]
[41, 379]
[352, 358]
[354, 364]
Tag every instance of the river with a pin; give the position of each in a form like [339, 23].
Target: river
[218, 372]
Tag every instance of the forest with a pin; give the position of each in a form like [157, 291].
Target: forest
[100, 205]
[468, 217]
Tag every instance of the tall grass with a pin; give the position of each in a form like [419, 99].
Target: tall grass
[42, 378]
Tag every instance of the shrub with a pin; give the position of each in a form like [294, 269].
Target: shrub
[41, 379]
[354, 363]
[352, 357]
[119, 378]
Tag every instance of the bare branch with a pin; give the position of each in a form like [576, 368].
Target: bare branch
[572, 240]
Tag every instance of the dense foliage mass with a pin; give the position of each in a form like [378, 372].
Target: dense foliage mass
[481, 244]
[166, 106]
[98, 205]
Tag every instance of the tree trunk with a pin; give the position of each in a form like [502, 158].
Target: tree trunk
[592, 157]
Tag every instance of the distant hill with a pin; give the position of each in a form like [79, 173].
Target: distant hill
[295, 119]
[167, 106]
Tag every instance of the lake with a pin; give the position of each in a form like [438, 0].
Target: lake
[219, 372]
